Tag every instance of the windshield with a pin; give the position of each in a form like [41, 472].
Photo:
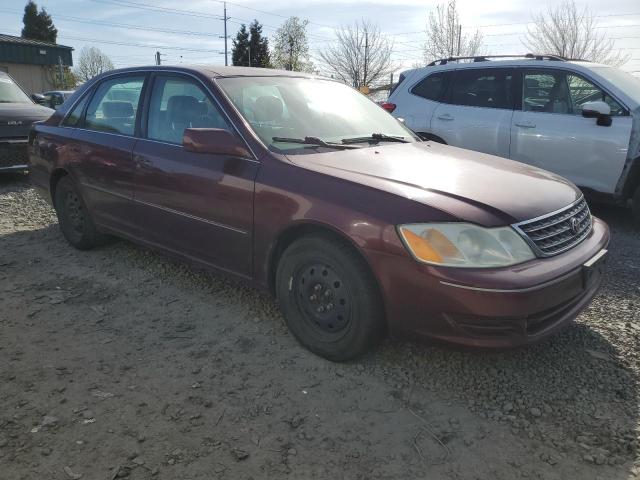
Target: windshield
[12, 93]
[280, 108]
[622, 80]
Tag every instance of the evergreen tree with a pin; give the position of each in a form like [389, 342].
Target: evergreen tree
[38, 25]
[259, 46]
[240, 50]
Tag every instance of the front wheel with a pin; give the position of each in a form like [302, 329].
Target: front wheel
[329, 298]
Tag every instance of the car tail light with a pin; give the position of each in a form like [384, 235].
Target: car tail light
[389, 107]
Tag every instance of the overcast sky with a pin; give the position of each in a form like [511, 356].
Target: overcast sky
[200, 37]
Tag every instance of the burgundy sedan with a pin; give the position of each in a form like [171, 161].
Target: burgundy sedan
[303, 187]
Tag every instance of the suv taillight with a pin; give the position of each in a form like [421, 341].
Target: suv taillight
[389, 107]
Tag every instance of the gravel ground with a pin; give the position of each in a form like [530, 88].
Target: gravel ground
[119, 362]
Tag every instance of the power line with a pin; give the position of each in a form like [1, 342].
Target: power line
[124, 25]
[142, 45]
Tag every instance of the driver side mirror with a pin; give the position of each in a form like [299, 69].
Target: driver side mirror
[39, 99]
[215, 141]
[599, 110]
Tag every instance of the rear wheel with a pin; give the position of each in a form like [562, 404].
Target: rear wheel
[73, 216]
[635, 206]
[329, 298]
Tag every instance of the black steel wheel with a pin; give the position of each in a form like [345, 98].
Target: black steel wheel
[73, 216]
[635, 206]
[329, 298]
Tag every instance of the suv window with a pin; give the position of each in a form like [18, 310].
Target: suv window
[562, 92]
[432, 87]
[179, 103]
[582, 91]
[488, 88]
[545, 91]
[114, 106]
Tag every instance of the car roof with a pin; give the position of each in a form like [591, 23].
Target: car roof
[516, 62]
[219, 71]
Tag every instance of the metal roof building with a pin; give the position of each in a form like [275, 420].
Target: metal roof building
[32, 63]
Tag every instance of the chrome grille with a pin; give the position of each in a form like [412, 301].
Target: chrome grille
[558, 231]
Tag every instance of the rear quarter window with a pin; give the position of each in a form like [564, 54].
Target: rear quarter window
[433, 87]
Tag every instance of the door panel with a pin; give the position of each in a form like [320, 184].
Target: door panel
[573, 147]
[479, 111]
[104, 146]
[551, 133]
[106, 177]
[196, 204]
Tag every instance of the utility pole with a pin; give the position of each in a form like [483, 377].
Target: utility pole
[459, 38]
[61, 73]
[226, 60]
[157, 58]
[249, 48]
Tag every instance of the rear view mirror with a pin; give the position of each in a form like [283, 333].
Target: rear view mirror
[214, 141]
[599, 110]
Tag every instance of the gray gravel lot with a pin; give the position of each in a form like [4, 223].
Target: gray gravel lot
[121, 363]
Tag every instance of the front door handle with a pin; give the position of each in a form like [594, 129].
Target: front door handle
[445, 116]
[526, 125]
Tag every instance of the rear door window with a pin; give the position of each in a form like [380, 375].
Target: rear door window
[114, 106]
[486, 88]
[432, 87]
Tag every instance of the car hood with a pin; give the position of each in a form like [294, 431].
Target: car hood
[23, 112]
[468, 185]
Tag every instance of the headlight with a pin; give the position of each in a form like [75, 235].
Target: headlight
[465, 245]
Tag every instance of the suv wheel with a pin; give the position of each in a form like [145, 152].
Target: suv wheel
[73, 216]
[329, 298]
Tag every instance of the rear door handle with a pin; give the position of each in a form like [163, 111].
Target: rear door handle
[445, 116]
[526, 125]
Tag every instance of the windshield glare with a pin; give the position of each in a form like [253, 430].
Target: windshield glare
[622, 80]
[12, 93]
[302, 107]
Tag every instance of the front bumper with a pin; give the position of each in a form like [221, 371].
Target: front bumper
[13, 154]
[491, 307]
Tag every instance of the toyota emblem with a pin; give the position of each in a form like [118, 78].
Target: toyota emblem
[574, 224]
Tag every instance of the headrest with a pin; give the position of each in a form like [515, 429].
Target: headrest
[268, 109]
[531, 83]
[184, 108]
[117, 109]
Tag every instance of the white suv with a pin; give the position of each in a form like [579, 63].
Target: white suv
[578, 119]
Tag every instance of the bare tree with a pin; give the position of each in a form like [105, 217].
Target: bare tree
[361, 56]
[92, 62]
[570, 32]
[291, 46]
[445, 37]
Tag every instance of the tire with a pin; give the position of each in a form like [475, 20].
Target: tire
[635, 207]
[329, 298]
[73, 217]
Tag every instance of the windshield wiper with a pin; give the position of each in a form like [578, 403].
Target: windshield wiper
[312, 141]
[375, 138]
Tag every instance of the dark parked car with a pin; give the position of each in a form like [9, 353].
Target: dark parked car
[17, 113]
[55, 98]
[305, 188]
